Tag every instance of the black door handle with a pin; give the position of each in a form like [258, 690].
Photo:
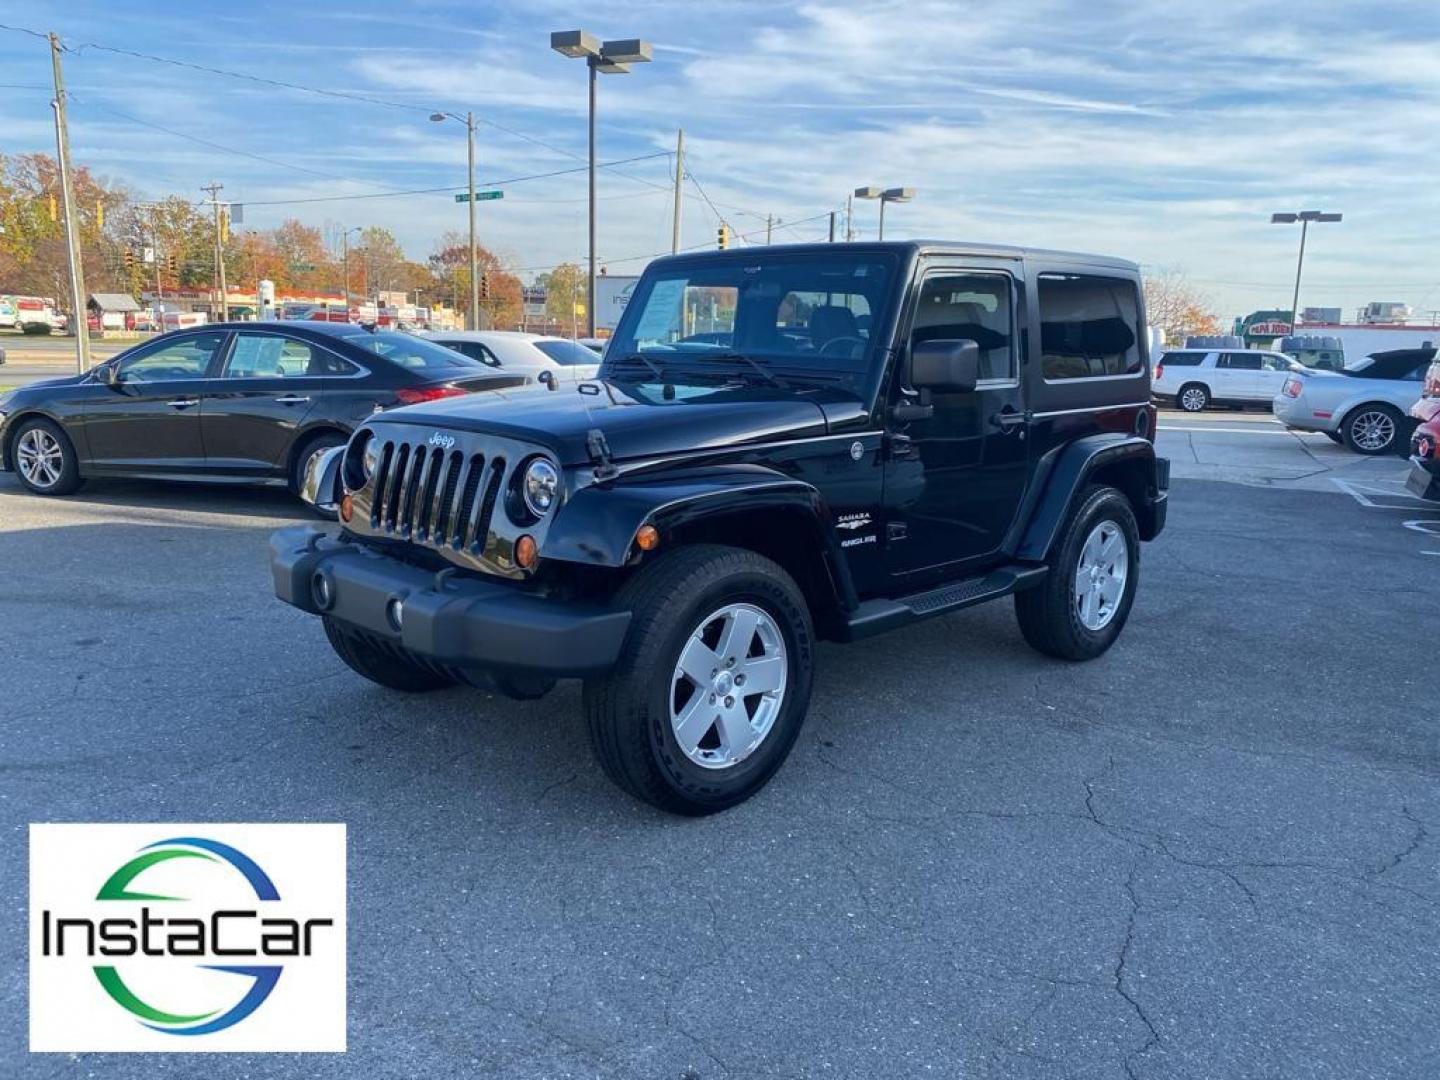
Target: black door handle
[1007, 419]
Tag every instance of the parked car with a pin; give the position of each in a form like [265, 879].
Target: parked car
[1195, 379]
[231, 401]
[1424, 478]
[680, 534]
[539, 358]
[1365, 405]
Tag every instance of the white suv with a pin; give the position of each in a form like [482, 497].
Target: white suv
[1198, 378]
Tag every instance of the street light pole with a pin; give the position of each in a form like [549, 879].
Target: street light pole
[885, 195]
[1304, 217]
[607, 58]
[590, 276]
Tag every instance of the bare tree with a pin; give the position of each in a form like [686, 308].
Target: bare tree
[1175, 307]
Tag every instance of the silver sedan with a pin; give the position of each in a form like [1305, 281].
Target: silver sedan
[1366, 406]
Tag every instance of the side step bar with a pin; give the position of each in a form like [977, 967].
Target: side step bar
[877, 616]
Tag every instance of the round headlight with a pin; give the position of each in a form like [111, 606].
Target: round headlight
[540, 486]
[370, 455]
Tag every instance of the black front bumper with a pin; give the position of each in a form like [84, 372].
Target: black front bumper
[445, 617]
[1424, 478]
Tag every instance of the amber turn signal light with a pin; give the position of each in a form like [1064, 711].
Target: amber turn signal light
[347, 507]
[525, 552]
[647, 538]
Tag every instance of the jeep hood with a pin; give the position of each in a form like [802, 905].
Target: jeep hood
[638, 421]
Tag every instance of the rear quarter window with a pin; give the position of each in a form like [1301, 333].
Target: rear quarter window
[1182, 359]
[1089, 327]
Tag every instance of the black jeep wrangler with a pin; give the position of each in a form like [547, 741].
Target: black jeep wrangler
[783, 444]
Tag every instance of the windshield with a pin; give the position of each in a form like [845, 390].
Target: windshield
[411, 353]
[568, 353]
[791, 316]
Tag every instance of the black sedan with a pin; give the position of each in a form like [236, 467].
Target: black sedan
[246, 402]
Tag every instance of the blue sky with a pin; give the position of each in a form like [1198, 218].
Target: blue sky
[1164, 133]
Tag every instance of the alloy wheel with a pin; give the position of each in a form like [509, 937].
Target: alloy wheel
[728, 686]
[1373, 430]
[40, 457]
[1101, 574]
[1192, 400]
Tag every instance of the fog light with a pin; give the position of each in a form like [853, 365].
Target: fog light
[347, 507]
[647, 538]
[525, 552]
[395, 613]
[323, 591]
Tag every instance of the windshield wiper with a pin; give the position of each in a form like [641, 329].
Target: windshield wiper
[754, 365]
[655, 368]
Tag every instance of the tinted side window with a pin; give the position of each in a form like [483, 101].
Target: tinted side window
[1240, 361]
[180, 358]
[1088, 327]
[1275, 363]
[973, 306]
[1182, 359]
[474, 350]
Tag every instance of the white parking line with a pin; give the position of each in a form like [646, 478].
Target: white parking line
[1204, 430]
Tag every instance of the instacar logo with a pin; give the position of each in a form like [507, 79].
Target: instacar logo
[184, 943]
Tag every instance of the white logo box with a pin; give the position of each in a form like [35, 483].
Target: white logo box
[279, 891]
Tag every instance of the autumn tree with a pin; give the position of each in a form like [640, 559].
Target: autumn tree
[449, 265]
[1176, 307]
[564, 289]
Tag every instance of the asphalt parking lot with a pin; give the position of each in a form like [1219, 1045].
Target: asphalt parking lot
[1211, 853]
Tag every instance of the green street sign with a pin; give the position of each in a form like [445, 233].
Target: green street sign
[480, 196]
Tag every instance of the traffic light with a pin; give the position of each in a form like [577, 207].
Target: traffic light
[485, 285]
[224, 226]
[54, 210]
[170, 264]
[722, 236]
[99, 214]
[129, 260]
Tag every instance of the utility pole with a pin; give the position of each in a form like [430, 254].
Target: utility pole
[679, 188]
[474, 255]
[769, 224]
[78, 321]
[849, 218]
[832, 226]
[214, 189]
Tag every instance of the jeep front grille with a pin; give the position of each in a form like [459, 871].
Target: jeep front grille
[434, 496]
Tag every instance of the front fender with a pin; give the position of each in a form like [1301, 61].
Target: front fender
[597, 525]
[1127, 462]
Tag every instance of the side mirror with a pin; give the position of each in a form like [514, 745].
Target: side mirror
[547, 378]
[945, 365]
[109, 374]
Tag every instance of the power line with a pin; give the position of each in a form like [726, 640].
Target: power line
[26, 30]
[221, 147]
[448, 188]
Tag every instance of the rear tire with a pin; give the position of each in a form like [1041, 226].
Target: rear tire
[1373, 430]
[1335, 437]
[44, 459]
[730, 612]
[1193, 398]
[1064, 618]
[365, 657]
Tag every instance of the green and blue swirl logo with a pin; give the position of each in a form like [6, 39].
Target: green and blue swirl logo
[244, 940]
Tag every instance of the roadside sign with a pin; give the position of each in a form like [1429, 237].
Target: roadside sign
[480, 196]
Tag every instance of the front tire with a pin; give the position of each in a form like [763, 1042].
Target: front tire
[1373, 430]
[1193, 398]
[712, 684]
[1081, 607]
[366, 657]
[45, 459]
[309, 450]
